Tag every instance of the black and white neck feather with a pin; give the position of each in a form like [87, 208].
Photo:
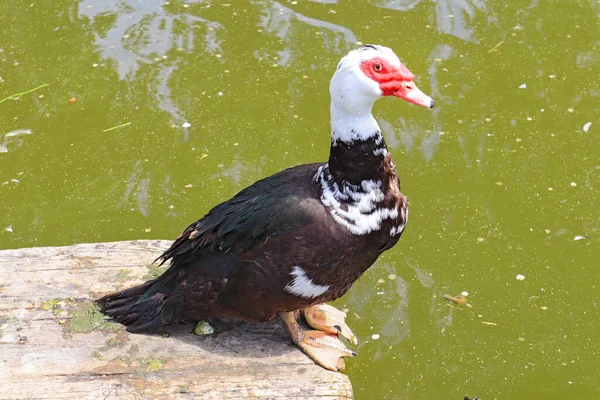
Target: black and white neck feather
[359, 183]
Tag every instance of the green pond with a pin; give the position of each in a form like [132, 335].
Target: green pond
[502, 176]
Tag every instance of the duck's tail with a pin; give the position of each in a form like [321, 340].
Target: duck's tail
[146, 307]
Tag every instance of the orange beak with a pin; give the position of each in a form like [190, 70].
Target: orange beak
[408, 91]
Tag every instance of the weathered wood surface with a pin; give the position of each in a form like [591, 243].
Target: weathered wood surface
[52, 346]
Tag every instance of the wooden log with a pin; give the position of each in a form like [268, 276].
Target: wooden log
[55, 345]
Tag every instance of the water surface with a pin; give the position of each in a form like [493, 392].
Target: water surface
[501, 176]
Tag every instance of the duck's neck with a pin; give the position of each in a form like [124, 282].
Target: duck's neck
[349, 124]
[358, 151]
[359, 183]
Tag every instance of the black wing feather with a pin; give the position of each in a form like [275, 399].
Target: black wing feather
[270, 207]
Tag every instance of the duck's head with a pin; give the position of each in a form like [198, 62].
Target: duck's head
[369, 73]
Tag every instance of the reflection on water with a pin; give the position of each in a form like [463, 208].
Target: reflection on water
[387, 303]
[136, 33]
[129, 32]
[133, 32]
[453, 17]
[440, 53]
[137, 186]
[588, 58]
[398, 5]
[288, 26]
[9, 138]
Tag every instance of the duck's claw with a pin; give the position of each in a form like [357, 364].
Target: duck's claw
[323, 347]
[329, 319]
[326, 349]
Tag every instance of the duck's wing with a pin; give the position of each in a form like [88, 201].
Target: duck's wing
[271, 207]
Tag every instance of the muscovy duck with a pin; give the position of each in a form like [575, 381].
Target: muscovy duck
[297, 239]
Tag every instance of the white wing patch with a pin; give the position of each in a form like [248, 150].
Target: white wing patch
[361, 215]
[303, 286]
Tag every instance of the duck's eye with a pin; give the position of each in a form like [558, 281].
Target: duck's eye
[377, 67]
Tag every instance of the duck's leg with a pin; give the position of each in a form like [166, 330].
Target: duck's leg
[328, 319]
[323, 347]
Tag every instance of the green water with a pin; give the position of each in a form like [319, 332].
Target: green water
[501, 175]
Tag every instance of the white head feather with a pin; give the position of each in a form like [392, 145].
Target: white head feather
[353, 94]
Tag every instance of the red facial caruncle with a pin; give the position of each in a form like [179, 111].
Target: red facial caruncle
[395, 81]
